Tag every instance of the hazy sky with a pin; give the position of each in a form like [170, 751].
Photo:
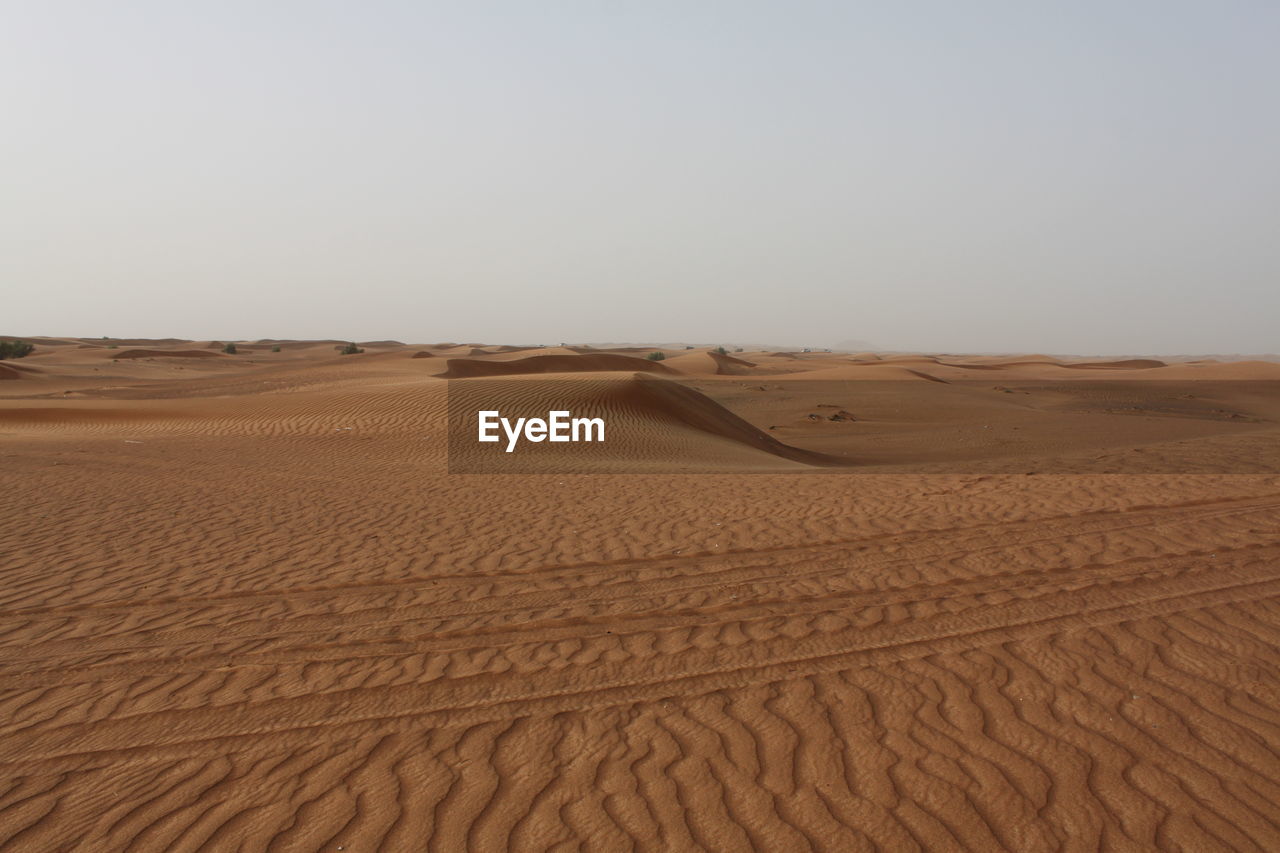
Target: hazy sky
[1090, 177]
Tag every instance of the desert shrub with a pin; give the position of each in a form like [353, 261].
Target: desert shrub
[351, 349]
[15, 349]
[113, 346]
[276, 348]
[229, 349]
[738, 349]
[722, 350]
[656, 356]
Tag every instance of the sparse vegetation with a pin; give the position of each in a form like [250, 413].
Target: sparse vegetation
[276, 348]
[656, 356]
[15, 349]
[113, 346]
[722, 350]
[351, 349]
[229, 349]
[737, 349]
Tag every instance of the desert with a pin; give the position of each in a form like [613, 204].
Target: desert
[671, 427]
[797, 601]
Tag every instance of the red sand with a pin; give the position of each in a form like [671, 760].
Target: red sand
[247, 608]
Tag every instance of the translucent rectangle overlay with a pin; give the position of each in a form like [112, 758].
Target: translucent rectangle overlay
[637, 423]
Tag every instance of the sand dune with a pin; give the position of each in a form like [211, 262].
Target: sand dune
[728, 365]
[160, 353]
[594, 363]
[247, 607]
[655, 425]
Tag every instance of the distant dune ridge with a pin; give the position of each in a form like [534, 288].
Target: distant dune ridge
[594, 363]
[160, 353]
[825, 603]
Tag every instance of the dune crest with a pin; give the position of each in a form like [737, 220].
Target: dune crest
[458, 368]
[161, 353]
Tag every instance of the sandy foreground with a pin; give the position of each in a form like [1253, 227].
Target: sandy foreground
[818, 602]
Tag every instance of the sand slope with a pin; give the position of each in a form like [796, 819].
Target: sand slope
[246, 607]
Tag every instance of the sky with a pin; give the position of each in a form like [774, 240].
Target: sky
[1065, 177]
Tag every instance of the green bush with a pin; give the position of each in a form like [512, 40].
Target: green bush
[276, 348]
[113, 346]
[229, 349]
[15, 349]
[351, 349]
[656, 356]
[722, 350]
